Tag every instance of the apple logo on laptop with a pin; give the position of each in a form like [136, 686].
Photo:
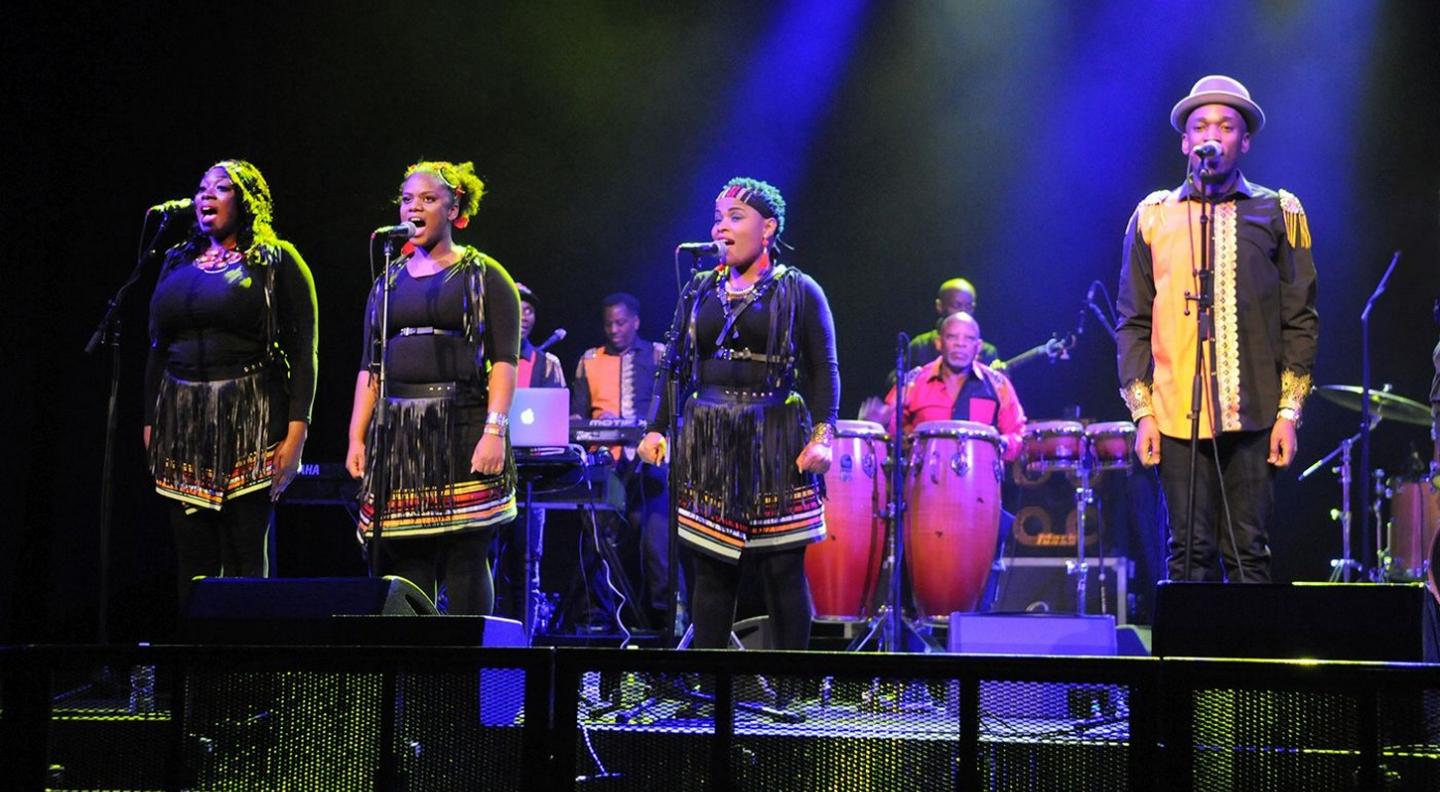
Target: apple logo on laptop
[527, 416]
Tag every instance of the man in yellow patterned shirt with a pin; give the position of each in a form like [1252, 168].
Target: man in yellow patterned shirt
[1265, 331]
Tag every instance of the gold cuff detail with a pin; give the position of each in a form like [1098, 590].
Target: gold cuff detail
[1136, 394]
[1293, 389]
[823, 434]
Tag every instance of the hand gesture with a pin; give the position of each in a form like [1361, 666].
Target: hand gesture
[652, 448]
[1147, 441]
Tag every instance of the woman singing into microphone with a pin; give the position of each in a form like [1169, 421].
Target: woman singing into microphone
[437, 469]
[751, 452]
[230, 377]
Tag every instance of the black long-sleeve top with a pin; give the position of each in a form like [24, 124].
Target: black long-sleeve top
[816, 370]
[1266, 323]
[207, 321]
[446, 301]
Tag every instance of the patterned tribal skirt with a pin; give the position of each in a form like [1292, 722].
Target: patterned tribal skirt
[738, 488]
[418, 480]
[211, 439]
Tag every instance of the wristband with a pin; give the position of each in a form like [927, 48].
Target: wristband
[492, 429]
[822, 434]
[499, 419]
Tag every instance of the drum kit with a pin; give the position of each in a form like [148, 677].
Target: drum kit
[1409, 549]
[951, 521]
[1081, 451]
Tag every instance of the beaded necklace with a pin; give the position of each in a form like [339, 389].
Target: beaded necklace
[734, 303]
[210, 261]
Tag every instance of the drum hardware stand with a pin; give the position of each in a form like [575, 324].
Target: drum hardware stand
[1365, 425]
[1381, 492]
[1340, 568]
[1084, 496]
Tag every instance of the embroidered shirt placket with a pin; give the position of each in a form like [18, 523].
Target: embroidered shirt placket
[1227, 334]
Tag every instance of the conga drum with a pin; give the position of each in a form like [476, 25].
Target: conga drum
[1414, 523]
[1111, 443]
[844, 567]
[1053, 445]
[952, 518]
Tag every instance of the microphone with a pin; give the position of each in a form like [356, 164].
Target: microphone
[405, 230]
[167, 207]
[702, 248]
[555, 338]
[1090, 294]
[1206, 150]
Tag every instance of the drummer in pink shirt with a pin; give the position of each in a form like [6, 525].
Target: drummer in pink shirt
[957, 387]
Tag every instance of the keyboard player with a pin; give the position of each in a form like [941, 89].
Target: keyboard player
[613, 382]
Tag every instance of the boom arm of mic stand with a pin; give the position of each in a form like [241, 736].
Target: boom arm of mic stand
[1319, 463]
[102, 329]
[1104, 322]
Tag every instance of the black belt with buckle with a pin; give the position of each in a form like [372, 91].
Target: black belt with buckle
[440, 331]
[726, 353]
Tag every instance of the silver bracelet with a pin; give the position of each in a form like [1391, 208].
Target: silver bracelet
[499, 419]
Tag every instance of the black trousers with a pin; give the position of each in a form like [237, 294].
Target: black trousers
[787, 597]
[1241, 546]
[459, 561]
[229, 542]
[647, 506]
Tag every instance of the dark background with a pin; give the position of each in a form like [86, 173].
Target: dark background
[1006, 142]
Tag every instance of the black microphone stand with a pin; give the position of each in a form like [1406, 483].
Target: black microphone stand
[380, 453]
[889, 625]
[667, 386]
[1377, 572]
[1204, 348]
[107, 332]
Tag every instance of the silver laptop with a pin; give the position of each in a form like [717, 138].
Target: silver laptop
[540, 417]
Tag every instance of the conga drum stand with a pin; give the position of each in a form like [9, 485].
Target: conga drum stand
[1078, 568]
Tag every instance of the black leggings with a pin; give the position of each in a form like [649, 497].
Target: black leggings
[229, 542]
[459, 560]
[787, 597]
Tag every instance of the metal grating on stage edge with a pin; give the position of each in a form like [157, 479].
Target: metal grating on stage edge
[417, 718]
[847, 732]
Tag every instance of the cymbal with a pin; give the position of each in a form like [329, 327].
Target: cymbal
[1382, 403]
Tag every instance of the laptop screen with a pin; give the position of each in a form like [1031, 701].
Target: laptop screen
[540, 417]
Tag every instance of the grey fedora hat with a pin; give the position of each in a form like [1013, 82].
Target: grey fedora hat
[1219, 89]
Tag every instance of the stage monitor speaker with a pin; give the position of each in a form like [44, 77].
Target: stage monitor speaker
[1031, 633]
[1321, 621]
[331, 611]
[360, 612]
[1036, 634]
